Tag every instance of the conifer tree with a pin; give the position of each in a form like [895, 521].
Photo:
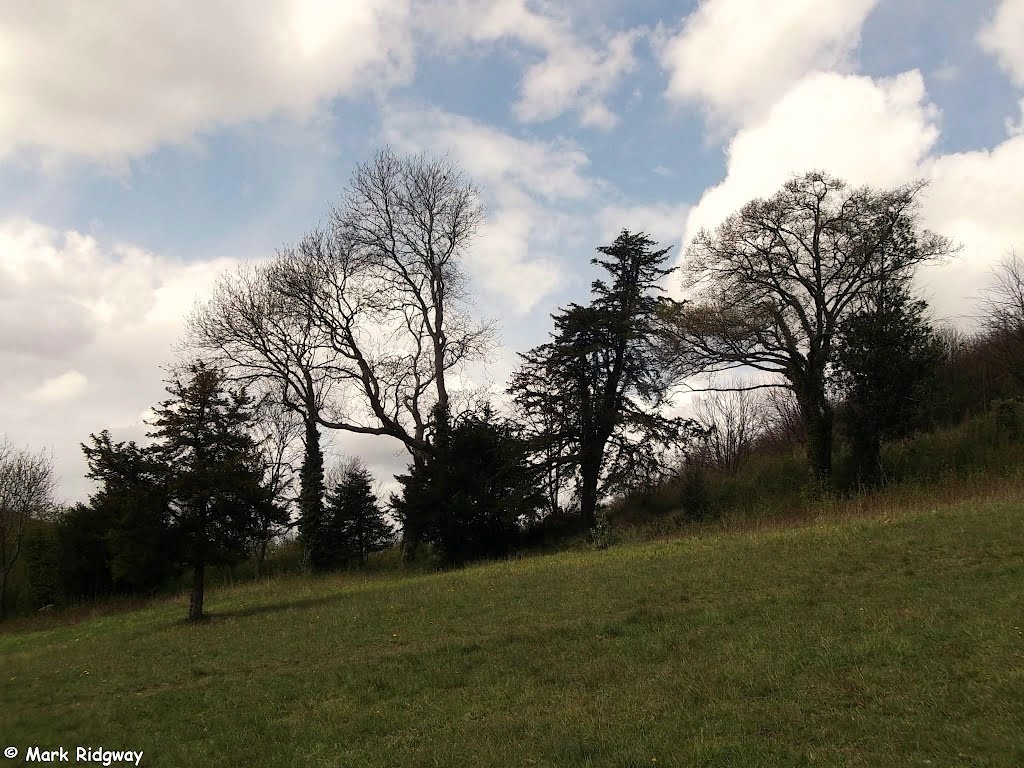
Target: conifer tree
[356, 525]
[210, 470]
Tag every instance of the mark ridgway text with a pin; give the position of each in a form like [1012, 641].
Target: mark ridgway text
[83, 755]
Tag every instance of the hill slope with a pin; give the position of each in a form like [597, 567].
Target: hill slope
[871, 643]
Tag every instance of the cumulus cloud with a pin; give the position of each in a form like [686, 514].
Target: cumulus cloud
[860, 129]
[1001, 37]
[882, 132]
[526, 184]
[92, 326]
[736, 57]
[108, 79]
[572, 75]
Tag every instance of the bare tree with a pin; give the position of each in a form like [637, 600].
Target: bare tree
[782, 418]
[1002, 307]
[262, 336]
[26, 491]
[385, 284]
[731, 423]
[279, 434]
[776, 280]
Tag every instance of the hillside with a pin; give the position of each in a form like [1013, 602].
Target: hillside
[881, 642]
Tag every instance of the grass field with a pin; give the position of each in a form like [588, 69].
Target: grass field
[867, 642]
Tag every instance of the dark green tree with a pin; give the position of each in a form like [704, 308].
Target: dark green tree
[594, 393]
[887, 357]
[356, 525]
[131, 511]
[211, 471]
[472, 496]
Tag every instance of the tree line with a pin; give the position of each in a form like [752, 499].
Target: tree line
[366, 325]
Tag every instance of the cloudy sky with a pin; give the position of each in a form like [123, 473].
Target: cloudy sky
[147, 145]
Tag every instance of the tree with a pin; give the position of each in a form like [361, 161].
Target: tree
[385, 285]
[263, 335]
[210, 470]
[472, 495]
[131, 513]
[886, 358]
[277, 431]
[356, 524]
[775, 282]
[1002, 307]
[26, 492]
[732, 423]
[594, 393]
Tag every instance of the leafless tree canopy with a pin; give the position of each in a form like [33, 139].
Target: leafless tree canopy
[732, 422]
[26, 491]
[364, 318]
[773, 283]
[1002, 308]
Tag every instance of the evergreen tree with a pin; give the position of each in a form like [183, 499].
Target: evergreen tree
[886, 358]
[131, 514]
[595, 391]
[472, 496]
[211, 471]
[356, 526]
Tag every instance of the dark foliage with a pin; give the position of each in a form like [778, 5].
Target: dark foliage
[355, 524]
[472, 497]
[210, 470]
[886, 361]
[593, 394]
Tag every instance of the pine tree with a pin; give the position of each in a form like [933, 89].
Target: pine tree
[356, 526]
[211, 471]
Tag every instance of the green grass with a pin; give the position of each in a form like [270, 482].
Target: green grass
[873, 642]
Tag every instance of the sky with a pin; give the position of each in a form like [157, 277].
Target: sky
[146, 146]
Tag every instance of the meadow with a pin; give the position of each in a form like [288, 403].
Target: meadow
[888, 639]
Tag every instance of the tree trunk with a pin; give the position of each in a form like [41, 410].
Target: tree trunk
[818, 422]
[590, 471]
[3, 594]
[195, 609]
[261, 555]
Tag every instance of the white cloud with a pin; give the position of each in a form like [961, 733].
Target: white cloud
[526, 184]
[86, 328]
[862, 130]
[571, 76]
[883, 133]
[58, 389]
[737, 57]
[1001, 36]
[663, 222]
[107, 79]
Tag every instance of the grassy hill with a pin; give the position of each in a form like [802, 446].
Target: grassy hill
[872, 642]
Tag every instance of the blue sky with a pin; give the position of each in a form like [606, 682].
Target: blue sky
[145, 147]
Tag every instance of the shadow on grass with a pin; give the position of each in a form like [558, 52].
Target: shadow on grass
[262, 610]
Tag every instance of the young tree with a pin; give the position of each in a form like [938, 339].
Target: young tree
[594, 393]
[886, 358]
[732, 423]
[356, 524]
[26, 490]
[774, 283]
[472, 495]
[211, 470]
